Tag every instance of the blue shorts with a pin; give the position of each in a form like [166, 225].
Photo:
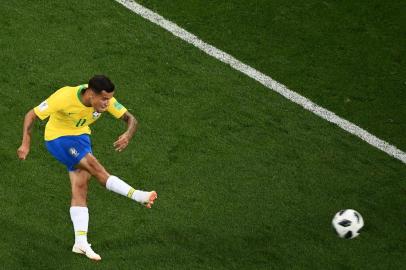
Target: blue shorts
[69, 150]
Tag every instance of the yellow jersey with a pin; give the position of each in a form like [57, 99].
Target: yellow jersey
[68, 115]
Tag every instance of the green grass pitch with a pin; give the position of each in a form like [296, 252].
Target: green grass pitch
[246, 179]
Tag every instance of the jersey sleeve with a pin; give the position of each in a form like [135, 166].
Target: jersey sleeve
[115, 108]
[49, 106]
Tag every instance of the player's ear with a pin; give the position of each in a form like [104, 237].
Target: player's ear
[92, 93]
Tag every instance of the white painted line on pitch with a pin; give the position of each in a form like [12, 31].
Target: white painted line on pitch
[264, 79]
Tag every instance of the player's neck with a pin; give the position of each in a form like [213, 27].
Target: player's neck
[85, 98]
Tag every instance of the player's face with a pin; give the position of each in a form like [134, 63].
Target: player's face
[100, 102]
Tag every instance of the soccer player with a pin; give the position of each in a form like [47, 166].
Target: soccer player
[67, 137]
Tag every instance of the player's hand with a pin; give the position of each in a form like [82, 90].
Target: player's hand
[22, 152]
[122, 142]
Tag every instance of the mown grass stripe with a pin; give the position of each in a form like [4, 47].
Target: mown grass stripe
[265, 80]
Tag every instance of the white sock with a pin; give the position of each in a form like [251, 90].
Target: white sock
[117, 185]
[80, 219]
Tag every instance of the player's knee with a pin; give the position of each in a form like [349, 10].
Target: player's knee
[99, 170]
[80, 185]
[95, 164]
[96, 169]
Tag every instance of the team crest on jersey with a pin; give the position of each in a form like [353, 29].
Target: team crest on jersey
[96, 115]
[43, 106]
[73, 152]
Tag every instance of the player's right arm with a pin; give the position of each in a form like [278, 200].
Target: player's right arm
[29, 120]
[42, 111]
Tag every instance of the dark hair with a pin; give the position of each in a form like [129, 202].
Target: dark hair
[99, 83]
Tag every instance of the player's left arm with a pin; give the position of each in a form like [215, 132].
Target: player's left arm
[123, 141]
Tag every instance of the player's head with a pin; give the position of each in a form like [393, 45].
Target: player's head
[102, 91]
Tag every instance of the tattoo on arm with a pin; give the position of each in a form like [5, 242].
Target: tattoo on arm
[125, 117]
[131, 123]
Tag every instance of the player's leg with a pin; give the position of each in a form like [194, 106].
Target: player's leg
[67, 150]
[79, 212]
[113, 183]
[79, 181]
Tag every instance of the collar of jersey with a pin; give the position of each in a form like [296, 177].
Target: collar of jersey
[81, 87]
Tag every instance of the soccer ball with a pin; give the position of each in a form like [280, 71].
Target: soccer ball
[348, 223]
